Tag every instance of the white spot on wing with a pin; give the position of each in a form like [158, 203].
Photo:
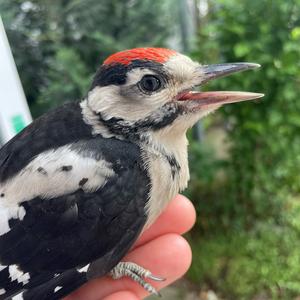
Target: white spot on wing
[21, 213]
[16, 274]
[57, 288]
[4, 226]
[7, 213]
[2, 291]
[84, 269]
[2, 267]
[30, 183]
[18, 297]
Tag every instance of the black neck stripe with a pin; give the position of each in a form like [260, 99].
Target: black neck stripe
[158, 120]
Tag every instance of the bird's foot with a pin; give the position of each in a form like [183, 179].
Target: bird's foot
[136, 273]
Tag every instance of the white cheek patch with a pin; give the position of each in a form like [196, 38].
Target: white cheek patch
[110, 102]
[103, 98]
[92, 119]
[16, 274]
[51, 174]
[2, 291]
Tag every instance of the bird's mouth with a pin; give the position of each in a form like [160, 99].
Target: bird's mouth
[205, 100]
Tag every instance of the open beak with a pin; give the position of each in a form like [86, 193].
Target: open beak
[210, 72]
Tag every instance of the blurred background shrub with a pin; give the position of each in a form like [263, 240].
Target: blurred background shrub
[58, 45]
[245, 180]
[248, 207]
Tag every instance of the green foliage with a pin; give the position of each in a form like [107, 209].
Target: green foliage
[245, 209]
[67, 78]
[204, 188]
[241, 265]
[58, 45]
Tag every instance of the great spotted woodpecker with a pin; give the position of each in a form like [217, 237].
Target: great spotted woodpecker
[79, 185]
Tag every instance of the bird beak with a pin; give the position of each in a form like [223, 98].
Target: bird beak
[209, 72]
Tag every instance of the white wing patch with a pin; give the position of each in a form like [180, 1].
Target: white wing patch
[4, 226]
[54, 173]
[7, 213]
[2, 291]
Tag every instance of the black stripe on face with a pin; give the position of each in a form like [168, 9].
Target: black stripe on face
[116, 74]
[161, 118]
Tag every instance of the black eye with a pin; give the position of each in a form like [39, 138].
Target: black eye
[150, 83]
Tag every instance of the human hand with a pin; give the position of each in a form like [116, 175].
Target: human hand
[160, 249]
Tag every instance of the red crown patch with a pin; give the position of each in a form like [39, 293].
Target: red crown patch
[125, 57]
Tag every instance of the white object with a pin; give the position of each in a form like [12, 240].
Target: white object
[14, 111]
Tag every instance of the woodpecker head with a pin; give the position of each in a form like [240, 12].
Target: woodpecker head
[149, 89]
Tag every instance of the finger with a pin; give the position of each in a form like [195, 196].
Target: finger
[123, 295]
[179, 217]
[168, 256]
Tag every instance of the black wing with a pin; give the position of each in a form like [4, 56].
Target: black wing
[74, 230]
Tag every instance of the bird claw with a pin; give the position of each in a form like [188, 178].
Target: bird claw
[155, 278]
[136, 273]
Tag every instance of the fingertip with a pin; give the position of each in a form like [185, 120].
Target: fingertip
[124, 295]
[181, 249]
[187, 210]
